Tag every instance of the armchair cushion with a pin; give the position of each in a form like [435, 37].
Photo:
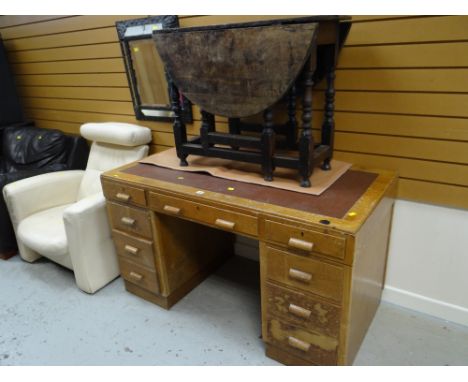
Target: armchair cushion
[44, 232]
[38, 193]
[7, 237]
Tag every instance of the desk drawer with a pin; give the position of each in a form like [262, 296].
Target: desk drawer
[307, 274]
[139, 275]
[304, 241]
[130, 219]
[315, 347]
[137, 250]
[124, 194]
[219, 218]
[302, 310]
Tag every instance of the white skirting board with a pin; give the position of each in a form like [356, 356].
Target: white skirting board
[427, 263]
[437, 308]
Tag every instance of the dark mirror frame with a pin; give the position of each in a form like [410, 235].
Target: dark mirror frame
[140, 29]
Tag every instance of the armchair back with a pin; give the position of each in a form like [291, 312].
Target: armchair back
[114, 144]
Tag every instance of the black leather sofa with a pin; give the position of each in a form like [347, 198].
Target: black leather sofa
[28, 151]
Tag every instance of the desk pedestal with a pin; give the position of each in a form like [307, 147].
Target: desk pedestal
[321, 275]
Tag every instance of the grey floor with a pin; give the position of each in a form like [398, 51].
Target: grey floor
[46, 320]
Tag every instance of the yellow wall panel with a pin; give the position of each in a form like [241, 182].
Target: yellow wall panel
[97, 36]
[450, 54]
[109, 50]
[104, 65]
[403, 80]
[402, 99]
[86, 79]
[64, 92]
[410, 30]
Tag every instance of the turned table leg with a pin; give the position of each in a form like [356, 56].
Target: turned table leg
[234, 128]
[180, 131]
[306, 140]
[268, 145]
[328, 126]
[207, 126]
[291, 134]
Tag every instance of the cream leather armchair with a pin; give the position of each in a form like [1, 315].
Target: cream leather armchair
[62, 215]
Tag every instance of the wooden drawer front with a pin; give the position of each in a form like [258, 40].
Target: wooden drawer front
[225, 220]
[315, 347]
[305, 241]
[302, 310]
[139, 275]
[130, 219]
[310, 275]
[137, 250]
[124, 194]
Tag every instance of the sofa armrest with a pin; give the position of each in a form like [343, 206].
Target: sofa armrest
[90, 244]
[28, 196]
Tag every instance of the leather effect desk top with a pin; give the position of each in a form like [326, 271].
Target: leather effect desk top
[334, 202]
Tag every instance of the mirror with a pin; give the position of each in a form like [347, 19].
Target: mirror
[145, 71]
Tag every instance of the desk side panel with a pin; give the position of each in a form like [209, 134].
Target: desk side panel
[368, 274]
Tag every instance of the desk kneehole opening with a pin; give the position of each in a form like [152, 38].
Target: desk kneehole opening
[303, 245]
[298, 275]
[225, 224]
[298, 344]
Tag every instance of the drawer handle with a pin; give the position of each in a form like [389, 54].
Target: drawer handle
[136, 276]
[298, 344]
[225, 224]
[299, 311]
[300, 244]
[127, 221]
[123, 197]
[131, 250]
[172, 210]
[299, 275]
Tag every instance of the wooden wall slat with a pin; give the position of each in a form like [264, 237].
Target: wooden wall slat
[98, 106]
[97, 36]
[104, 65]
[91, 93]
[157, 148]
[86, 79]
[411, 30]
[405, 56]
[67, 127]
[401, 103]
[400, 125]
[71, 24]
[434, 193]
[108, 50]
[411, 168]
[403, 80]
[447, 151]
[11, 20]
[83, 117]
[441, 104]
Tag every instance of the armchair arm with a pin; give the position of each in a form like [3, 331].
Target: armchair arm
[91, 248]
[27, 196]
[10, 177]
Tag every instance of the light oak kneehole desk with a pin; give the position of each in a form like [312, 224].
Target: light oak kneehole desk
[322, 258]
